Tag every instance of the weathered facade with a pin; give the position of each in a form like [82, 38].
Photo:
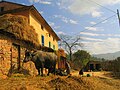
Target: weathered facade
[13, 40]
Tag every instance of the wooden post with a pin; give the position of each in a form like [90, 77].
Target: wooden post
[11, 58]
[118, 16]
[19, 66]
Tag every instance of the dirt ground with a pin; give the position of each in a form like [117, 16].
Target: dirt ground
[73, 82]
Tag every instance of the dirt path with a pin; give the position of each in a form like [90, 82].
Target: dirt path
[73, 82]
[102, 74]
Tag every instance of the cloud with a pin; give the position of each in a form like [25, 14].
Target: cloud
[45, 2]
[91, 39]
[95, 34]
[89, 34]
[60, 33]
[36, 1]
[32, 1]
[66, 20]
[73, 21]
[104, 46]
[91, 28]
[53, 25]
[82, 7]
[106, 21]
[93, 23]
[41, 12]
[58, 3]
[56, 27]
[96, 14]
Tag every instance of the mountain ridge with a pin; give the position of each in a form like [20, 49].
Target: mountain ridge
[108, 56]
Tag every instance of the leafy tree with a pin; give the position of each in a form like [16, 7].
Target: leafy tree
[118, 58]
[70, 44]
[103, 60]
[117, 64]
[82, 56]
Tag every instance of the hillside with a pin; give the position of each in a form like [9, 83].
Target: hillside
[108, 56]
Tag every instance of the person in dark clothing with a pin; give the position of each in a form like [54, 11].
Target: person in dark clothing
[81, 72]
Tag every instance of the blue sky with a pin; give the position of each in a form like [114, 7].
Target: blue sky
[70, 17]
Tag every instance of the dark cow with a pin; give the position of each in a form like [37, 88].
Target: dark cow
[42, 60]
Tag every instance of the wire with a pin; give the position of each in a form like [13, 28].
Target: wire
[102, 6]
[99, 22]
[103, 20]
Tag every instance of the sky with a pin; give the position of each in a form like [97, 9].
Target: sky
[96, 21]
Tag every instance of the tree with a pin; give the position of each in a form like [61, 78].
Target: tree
[117, 64]
[82, 56]
[70, 44]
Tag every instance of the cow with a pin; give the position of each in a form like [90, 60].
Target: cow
[42, 60]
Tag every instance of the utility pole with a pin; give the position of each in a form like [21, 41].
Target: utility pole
[118, 16]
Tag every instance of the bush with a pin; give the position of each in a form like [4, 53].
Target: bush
[88, 75]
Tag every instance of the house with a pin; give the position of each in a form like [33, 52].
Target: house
[22, 27]
[93, 66]
[46, 36]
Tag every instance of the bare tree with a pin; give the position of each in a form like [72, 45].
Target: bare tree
[70, 44]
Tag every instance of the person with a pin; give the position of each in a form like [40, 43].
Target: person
[81, 72]
[68, 68]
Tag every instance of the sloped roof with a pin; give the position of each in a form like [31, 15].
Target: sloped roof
[16, 10]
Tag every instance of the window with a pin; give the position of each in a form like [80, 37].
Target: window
[54, 47]
[42, 40]
[49, 44]
[42, 27]
[53, 39]
[1, 9]
[49, 34]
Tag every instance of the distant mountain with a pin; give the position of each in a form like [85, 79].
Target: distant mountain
[108, 56]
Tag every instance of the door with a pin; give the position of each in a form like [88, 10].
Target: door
[16, 56]
[92, 67]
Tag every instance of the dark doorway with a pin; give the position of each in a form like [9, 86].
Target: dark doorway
[16, 55]
[98, 67]
[92, 67]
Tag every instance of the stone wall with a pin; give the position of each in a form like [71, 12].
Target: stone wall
[5, 56]
[29, 69]
[9, 55]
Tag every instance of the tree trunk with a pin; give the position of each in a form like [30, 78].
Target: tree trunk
[70, 55]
